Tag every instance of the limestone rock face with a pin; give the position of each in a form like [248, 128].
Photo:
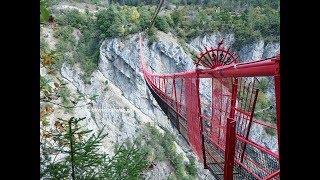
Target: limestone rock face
[259, 50]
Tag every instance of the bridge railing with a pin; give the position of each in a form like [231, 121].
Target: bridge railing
[219, 122]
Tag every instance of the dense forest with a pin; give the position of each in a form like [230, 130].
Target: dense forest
[249, 20]
[227, 4]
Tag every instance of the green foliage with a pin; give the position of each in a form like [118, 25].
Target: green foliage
[110, 22]
[75, 19]
[249, 26]
[164, 148]
[127, 163]
[161, 24]
[133, 14]
[263, 85]
[44, 12]
[79, 156]
[167, 143]
[183, 43]
[177, 162]
[65, 46]
[44, 84]
[248, 21]
[152, 35]
[145, 17]
[154, 132]
[191, 167]
[263, 102]
[86, 50]
[243, 36]
[255, 23]
[169, 19]
[172, 177]
[64, 33]
[230, 5]
[44, 46]
[119, 21]
[178, 17]
[65, 95]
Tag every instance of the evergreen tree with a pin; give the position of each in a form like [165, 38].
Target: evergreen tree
[128, 162]
[76, 155]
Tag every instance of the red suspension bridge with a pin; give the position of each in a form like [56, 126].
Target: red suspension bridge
[218, 129]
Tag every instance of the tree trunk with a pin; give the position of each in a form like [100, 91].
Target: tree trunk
[71, 150]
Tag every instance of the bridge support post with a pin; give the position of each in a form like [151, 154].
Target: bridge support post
[201, 123]
[230, 149]
[250, 123]
[277, 92]
[176, 100]
[233, 98]
[230, 136]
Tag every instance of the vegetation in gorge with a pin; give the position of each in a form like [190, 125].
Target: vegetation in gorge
[269, 114]
[160, 147]
[265, 107]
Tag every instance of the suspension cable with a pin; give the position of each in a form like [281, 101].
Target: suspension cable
[155, 14]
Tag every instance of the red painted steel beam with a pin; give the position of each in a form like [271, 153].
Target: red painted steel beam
[263, 149]
[273, 175]
[257, 165]
[247, 169]
[230, 149]
[250, 123]
[277, 91]
[201, 125]
[248, 69]
[176, 100]
[233, 98]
